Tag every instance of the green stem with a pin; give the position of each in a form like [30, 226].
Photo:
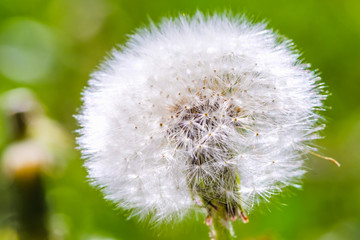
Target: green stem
[220, 229]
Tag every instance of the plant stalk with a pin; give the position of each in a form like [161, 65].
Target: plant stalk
[220, 230]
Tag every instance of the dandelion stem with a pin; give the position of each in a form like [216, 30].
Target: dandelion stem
[220, 228]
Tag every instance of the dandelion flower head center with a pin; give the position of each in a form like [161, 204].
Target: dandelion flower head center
[199, 121]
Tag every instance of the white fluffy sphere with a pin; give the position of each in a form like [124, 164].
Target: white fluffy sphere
[213, 110]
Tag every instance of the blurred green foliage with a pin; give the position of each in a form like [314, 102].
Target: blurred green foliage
[52, 46]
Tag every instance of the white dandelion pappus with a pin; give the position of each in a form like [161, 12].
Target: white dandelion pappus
[210, 110]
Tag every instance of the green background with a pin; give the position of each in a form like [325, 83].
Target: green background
[52, 46]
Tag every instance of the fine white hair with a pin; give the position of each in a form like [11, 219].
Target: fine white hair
[191, 101]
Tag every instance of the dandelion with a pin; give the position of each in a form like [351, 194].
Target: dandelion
[208, 112]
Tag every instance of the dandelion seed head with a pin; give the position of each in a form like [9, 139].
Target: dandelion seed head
[214, 108]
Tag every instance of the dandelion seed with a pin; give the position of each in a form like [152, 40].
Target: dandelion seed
[261, 107]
